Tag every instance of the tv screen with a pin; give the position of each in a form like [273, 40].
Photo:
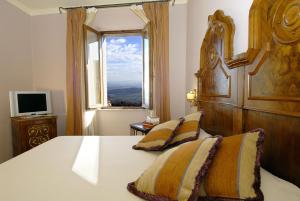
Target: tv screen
[32, 102]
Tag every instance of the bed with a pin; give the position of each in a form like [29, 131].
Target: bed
[92, 169]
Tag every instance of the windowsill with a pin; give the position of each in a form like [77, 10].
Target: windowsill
[121, 108]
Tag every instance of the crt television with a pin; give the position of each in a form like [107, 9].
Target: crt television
[23, 103]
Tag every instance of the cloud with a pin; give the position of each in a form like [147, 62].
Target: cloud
[123, 51]
[118, 41]
[124, 59]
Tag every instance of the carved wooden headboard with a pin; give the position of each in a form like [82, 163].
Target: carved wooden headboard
[259, 88]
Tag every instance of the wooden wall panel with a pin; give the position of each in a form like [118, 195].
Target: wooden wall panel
[220, 121]
[281, 147]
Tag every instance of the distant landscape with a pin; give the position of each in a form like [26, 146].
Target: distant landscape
[124, 95]
[124, 69]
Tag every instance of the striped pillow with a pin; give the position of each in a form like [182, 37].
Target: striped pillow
[177, 173]
[235, 170]
[159, 137]
[189, 130]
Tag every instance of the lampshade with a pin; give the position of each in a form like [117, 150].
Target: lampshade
[191, 95]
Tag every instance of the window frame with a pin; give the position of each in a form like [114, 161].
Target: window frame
[87, 28]
[103, 92]
[137, 32]
[146, 34]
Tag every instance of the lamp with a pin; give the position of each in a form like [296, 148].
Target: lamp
[191, 97]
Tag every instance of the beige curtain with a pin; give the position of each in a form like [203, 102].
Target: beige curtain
[139, 11]
[90, 16]
[158, 14]
[75, 67]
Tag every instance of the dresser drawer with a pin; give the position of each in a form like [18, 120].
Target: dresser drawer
[31, 132]
[38, 134]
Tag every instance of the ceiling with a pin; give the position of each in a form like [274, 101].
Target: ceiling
[41, 7]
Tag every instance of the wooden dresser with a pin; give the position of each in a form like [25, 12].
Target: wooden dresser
[29, 132]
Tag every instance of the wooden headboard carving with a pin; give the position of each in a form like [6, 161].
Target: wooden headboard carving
[216, 47]
[217, 81]
[259, 88]
[276, 67]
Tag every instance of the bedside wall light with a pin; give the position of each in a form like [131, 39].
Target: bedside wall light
[191, 97]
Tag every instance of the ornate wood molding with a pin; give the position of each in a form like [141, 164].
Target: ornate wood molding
[255, 39]
[286, 16]
[214, 78]
[277, 66]
[257, 11]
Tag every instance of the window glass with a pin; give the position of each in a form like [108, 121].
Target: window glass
[124, 69]
[93, 70]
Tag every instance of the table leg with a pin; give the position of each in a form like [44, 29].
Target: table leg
[131, 131]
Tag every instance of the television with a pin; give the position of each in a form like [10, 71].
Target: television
[25, 103]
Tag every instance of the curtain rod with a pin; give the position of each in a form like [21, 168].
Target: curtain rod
[115, 5]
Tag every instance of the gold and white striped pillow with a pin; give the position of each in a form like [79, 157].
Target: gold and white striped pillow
[159, 137]
[235, 171]
[177, 173]
[189, 130]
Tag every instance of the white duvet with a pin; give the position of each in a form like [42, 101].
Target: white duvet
[93, 169]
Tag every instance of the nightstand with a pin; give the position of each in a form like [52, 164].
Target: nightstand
[138, 127]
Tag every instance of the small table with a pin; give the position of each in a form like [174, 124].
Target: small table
[138, 127]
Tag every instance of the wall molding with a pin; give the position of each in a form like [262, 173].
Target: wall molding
[21, 6]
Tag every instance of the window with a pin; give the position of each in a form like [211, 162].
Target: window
[92, 69]
[123, 67]
[117, 69]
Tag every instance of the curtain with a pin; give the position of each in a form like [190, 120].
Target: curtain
[139, 11]
[75, 67]
[90, 16]
[79, 120]
[158, 14]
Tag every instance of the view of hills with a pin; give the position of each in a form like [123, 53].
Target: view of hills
[124, 95]
[124, 69]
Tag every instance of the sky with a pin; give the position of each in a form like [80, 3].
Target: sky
[124, 60]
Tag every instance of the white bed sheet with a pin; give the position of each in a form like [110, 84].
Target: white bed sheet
[93, 169]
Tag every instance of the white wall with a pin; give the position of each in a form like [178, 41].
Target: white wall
[15, 66]
[116, 122]
[177, 47]
[48, 36]
[198, 12]
[117, 19]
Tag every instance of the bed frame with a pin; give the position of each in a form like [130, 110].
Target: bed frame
[259, 88]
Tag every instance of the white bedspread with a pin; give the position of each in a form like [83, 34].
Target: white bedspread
[93, 169]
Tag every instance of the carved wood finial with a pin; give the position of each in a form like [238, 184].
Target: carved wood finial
[216, 48]
[286, 22]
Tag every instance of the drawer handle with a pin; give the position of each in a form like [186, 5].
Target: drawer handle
[38, 134]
